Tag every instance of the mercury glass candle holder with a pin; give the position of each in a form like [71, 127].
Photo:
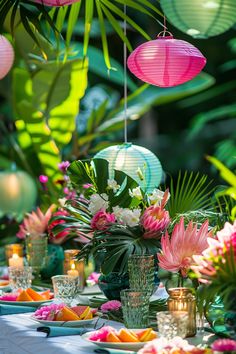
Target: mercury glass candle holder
[172, 323]
[72, 265]
[182, 299]
[135, 308]
[14, 248]
[141, 273]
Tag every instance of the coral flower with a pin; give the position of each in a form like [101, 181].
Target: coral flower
[178, 250]
[154, 221]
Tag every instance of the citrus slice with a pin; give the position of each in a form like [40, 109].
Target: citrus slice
[34, 295]
[23, 296]
[81, 311]
[66, 314]
[89, 316]
[152, 335]
[46, 295]
[143, 335]
[127, 336]
[112, 337]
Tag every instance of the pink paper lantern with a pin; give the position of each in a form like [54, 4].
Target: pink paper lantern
[56, 2]
[6, 56]
[166, 62]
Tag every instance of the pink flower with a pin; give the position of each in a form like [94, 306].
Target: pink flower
[224, 345]
[63, 166]
[49, 312]
[61, 236]
[113, 305]
[101, 220]
[93, 277]
[87, 186]
[43, 179]
[35, 223]
[177, 251]
[154, 221]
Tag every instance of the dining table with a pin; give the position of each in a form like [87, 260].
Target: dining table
[19, 335]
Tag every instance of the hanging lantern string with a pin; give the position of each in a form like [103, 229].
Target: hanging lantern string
[163, 33]
[125, 79]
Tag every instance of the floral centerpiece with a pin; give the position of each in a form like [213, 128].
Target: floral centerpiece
[115, 215]
[216, 267]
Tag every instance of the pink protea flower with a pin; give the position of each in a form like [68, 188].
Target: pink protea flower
[102, 219]
[35, 223]
[61, 236]
[113, 305]
[154, 220]
[177, 251]
[224, 345]
[49, 312]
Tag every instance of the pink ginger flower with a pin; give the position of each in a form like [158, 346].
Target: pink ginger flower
[102, 219]
[61, 236]
[224, 345]
[35, 223]
[154, 220]
[113, 305]
[177, 251]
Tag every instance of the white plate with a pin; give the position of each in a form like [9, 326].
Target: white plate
[25, 303]
[63, 323]
[124, 345]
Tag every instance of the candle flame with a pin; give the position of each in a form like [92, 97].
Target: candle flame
[15, 256]
[73, 266]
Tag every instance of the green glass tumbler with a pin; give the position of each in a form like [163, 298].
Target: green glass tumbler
[135, 308]
[36, 252]
[141, 273]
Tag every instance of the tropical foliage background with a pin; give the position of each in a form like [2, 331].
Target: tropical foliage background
[63, 100]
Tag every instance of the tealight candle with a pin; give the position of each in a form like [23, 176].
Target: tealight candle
[13, 248]
[73, 272]
[16, 261]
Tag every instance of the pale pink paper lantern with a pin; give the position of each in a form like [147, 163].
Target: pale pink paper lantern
[166, 62]
[56, 2]
[6, 56]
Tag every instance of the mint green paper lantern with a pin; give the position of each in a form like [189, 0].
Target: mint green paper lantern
[18, 192]
[129, 158]
[201, 18]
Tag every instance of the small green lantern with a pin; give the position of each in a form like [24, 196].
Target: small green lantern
[135, 161]
[18, 192]
[201, 18]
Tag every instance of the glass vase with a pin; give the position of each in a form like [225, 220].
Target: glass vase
[36, 252]
[141, 273]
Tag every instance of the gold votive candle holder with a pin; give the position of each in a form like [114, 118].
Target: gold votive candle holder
[182, 299]
[74, 267]
[14, 251]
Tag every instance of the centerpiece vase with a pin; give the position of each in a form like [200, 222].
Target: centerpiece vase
[36, 253]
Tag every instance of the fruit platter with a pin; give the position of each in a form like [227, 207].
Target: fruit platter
[28, 297]
[126, 339]
[62, 315]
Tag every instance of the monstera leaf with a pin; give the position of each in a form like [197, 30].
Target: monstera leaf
[46, 106]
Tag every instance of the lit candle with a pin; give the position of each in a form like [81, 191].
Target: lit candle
[16, 261]
[73, 272]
